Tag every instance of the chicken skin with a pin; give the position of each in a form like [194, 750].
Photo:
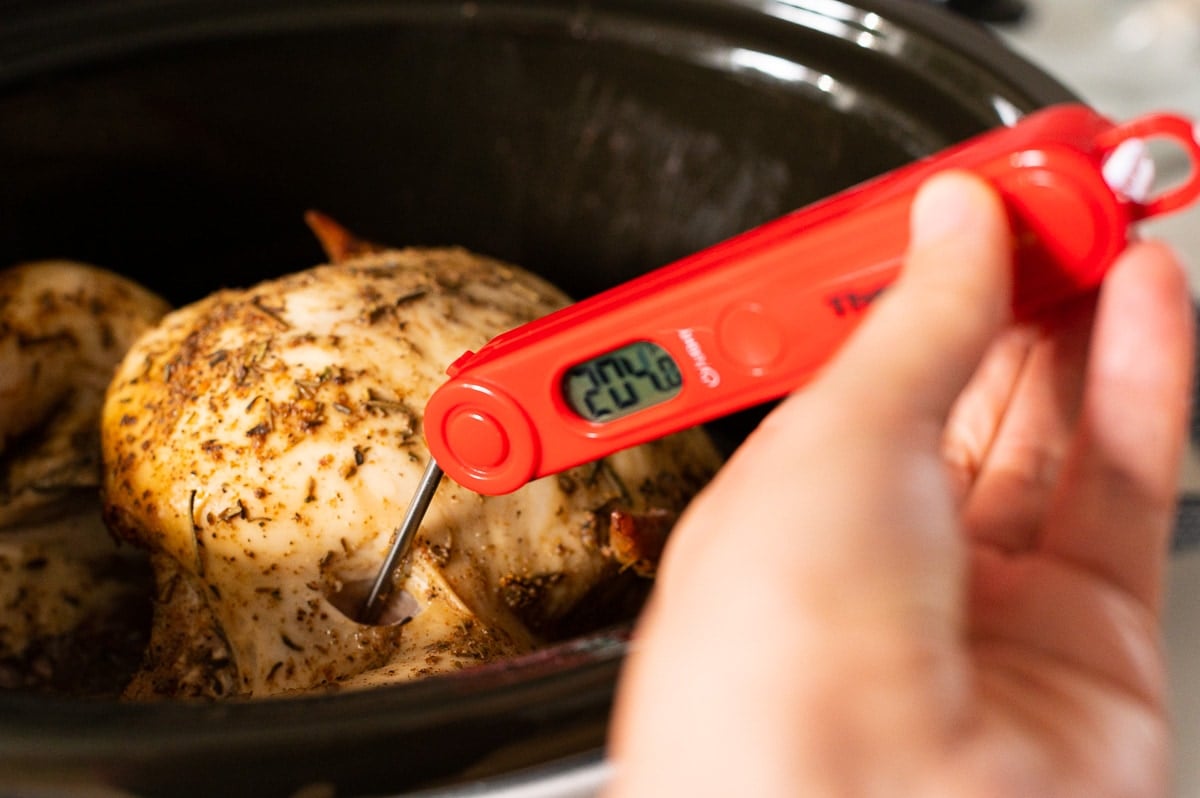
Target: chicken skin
[262, 444]
[63, 328]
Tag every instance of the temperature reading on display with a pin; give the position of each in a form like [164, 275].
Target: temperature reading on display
[621, 382]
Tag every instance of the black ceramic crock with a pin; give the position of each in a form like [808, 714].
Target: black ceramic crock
[180, 141]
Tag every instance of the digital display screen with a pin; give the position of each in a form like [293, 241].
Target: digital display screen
[621, 382]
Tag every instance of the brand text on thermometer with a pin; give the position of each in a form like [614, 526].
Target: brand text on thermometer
[708, 375]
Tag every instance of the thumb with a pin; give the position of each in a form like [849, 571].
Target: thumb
[859, 450]
[918, 348]
[879, 411]
[839, 453]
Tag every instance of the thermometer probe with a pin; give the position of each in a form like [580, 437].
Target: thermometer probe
[752, 318]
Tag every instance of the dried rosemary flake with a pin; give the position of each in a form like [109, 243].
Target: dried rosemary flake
[272, 313]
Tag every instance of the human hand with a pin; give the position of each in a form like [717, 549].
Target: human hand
[937, 569]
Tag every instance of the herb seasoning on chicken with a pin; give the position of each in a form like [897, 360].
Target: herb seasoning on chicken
[262, 445]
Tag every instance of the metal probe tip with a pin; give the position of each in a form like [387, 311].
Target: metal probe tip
[401, 540]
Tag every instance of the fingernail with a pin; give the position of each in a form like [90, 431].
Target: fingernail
[945, 205]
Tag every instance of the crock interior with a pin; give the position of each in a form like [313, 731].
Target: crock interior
[180, 143]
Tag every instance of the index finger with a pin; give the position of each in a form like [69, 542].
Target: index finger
[1114, 513]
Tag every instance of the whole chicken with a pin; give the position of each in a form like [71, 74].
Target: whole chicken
[72, 603]
[263, 444]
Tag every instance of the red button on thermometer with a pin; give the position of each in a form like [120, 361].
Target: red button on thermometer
[752, 318]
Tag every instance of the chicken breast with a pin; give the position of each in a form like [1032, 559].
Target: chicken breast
[263, 445]
[74, 609]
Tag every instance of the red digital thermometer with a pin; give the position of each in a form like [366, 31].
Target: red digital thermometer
[752, 318]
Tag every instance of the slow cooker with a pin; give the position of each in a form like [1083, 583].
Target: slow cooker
[180, 142]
